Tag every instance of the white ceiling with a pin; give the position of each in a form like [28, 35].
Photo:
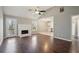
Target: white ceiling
[23, 11]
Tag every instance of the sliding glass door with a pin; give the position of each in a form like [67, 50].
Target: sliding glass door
[11, 26]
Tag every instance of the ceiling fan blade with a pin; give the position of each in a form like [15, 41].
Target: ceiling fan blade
[42, 11]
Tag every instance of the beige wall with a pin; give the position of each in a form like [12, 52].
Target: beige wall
[62, 21]
[1, 25]
[19, 20]
[24, 20]
[45, 24]
[42, 26]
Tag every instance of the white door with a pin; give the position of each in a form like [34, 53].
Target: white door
[75, 33]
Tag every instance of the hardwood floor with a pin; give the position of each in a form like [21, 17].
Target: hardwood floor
[35, 44]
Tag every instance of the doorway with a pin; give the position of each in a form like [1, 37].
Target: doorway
[75, 33]
[46, 26]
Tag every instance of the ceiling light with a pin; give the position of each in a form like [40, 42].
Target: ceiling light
[37, 12]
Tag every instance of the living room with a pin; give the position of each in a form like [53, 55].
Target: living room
[37, 29]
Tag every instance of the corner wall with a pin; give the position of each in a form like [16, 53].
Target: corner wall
[19, 20]
[62, 21]
[1, 25]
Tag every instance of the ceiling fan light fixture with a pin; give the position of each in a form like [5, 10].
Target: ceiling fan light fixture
[37, 12]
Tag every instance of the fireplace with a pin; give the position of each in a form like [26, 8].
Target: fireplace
[24, 32]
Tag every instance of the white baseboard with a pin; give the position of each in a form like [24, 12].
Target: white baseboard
[63, 39]
[46, 33]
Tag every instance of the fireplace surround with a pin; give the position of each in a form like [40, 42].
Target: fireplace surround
[24, 30]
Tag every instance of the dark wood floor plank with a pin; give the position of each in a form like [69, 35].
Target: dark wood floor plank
[36, 44]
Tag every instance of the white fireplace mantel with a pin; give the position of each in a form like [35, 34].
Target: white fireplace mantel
[24, 27]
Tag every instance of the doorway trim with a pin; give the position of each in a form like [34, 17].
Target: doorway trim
[72, 36]
[52, 19]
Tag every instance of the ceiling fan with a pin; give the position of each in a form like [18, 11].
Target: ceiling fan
[37, 11]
